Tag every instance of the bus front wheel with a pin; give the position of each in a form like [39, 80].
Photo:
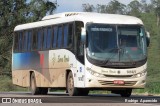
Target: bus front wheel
[72, 91]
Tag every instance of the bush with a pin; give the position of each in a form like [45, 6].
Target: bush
[7, 85]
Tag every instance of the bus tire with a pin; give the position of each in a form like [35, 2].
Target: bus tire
[72, 91]
[33, 87]
[126, 93]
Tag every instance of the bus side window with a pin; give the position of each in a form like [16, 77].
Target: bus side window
[16, 37]
[23, 37]
[29, 39]
[55, 37]
[44, 38]
[20, 41]
[49, 33]
[70, 35]
[65, 36]
[68, 29]
[34, 40]
[39, 33]
[52, 36]
[25, 40]
[59, 36]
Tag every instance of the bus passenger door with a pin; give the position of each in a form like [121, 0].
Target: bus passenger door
[79, 51]
[80, 65]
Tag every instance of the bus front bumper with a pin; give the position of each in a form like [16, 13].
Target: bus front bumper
[109, 82]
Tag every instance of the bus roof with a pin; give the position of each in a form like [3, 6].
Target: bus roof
[80, 16]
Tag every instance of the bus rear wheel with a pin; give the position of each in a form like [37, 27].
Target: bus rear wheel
[72, 91]
[33, 87]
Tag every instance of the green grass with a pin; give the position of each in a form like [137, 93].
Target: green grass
[6, 85]
[152, 88]
[153, 82]
[99, 92]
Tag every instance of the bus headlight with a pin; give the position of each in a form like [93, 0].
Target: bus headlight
[96, 74]
[140, 74]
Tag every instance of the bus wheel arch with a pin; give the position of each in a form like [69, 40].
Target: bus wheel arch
[35, 90]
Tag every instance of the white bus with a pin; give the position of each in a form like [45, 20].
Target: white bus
[80, 52]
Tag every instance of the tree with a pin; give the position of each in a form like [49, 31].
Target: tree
[134, 8]
[14, 12]
[115, 7]
[146, 7]
[101, 8]
[39, 8]
[88, 7]
[156, 4]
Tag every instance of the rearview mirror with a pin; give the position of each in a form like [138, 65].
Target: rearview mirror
[83, 35]
[148, 38]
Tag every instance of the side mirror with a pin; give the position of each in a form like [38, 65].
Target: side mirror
[83, 35]
[148, 38]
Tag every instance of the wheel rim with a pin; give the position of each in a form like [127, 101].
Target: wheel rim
[70, 84]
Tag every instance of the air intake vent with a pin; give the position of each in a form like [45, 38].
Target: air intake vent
[71, 14]
[110, 83]
[60, 15]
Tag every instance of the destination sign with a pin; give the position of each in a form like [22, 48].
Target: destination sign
[102, 29]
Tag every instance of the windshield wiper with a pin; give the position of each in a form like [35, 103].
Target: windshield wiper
[110, 51]
[122, 50]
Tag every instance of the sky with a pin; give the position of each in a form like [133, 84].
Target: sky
[76, 5]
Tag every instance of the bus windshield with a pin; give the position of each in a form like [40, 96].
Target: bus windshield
[116, 43]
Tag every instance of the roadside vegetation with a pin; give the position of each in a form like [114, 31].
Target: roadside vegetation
[7, 86]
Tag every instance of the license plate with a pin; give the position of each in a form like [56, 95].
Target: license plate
[119, 82]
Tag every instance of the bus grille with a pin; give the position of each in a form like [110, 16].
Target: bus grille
[119, 76]
[110, 83]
